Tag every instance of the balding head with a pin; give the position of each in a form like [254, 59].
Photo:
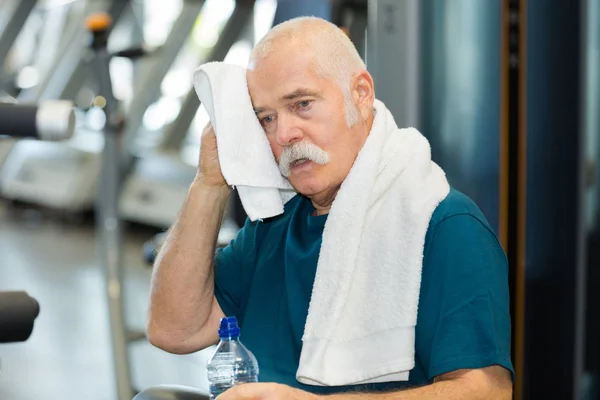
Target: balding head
[333, 54]
[314, 99]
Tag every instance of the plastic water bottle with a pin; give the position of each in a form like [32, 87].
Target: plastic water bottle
[232, 363]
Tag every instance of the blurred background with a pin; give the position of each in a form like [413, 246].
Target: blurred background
[507, 92]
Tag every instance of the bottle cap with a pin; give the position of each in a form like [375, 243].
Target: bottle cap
[229, 328]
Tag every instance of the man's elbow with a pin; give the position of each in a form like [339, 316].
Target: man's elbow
[172, 342]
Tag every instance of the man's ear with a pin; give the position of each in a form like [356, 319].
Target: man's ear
[363, 93]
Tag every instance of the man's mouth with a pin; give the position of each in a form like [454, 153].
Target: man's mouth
[298, 162]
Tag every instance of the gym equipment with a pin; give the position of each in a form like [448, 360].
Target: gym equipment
[18, 312]
[30, 33]
[73, 166]
[157, 186]
[50, 120]
[159, 180]
[12, 21]
[109, 225]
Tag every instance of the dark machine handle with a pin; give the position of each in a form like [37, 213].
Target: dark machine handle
[49, 120]
[18, 312]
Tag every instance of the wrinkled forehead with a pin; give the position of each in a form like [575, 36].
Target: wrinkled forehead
[279, 73]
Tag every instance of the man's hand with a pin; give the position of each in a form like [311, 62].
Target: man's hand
[209, 169]
[265, 391]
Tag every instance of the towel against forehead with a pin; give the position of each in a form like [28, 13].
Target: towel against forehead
[245, 155]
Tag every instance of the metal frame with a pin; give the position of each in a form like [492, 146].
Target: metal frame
[110, 228]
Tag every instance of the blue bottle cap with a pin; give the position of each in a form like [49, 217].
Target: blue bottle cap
[229, 328]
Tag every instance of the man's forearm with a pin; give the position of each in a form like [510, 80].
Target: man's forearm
[446, 390]
[489, 383]
[183, 279]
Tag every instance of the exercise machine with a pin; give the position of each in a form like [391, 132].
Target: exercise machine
[12, 21]
[53, 120]
[74, 165]
[159, 181]
[18, 312]
[158, 178]
[109, 224]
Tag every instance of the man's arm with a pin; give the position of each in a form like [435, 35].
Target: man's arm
[184, 314]
[490, 383]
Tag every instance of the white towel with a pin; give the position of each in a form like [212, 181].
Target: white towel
[246, 159]
[363, 310]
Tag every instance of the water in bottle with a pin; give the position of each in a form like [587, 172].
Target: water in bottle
[232, 363]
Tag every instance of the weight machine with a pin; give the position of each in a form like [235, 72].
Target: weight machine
[53, 120]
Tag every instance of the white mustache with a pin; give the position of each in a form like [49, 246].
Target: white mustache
[301, 151]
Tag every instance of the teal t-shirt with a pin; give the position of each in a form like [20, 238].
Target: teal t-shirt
[265, 276]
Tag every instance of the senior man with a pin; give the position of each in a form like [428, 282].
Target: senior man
[315, 101]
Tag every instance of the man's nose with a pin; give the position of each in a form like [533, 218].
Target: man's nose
[287, 131]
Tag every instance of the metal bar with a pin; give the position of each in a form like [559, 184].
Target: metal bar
[239, 19]
[77, 78]
[158, 65]
[110, 228]
[15, 23]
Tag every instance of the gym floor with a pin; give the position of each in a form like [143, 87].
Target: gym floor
[68, 355]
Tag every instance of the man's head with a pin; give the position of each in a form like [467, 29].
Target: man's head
[314, 99]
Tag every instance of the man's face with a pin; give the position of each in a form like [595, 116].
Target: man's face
[296, 105]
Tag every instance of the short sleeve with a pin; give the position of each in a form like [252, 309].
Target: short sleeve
[234, 265]
[463, 319]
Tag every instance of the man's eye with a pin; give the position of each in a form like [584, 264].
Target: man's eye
[304, 103]
[268, 119]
